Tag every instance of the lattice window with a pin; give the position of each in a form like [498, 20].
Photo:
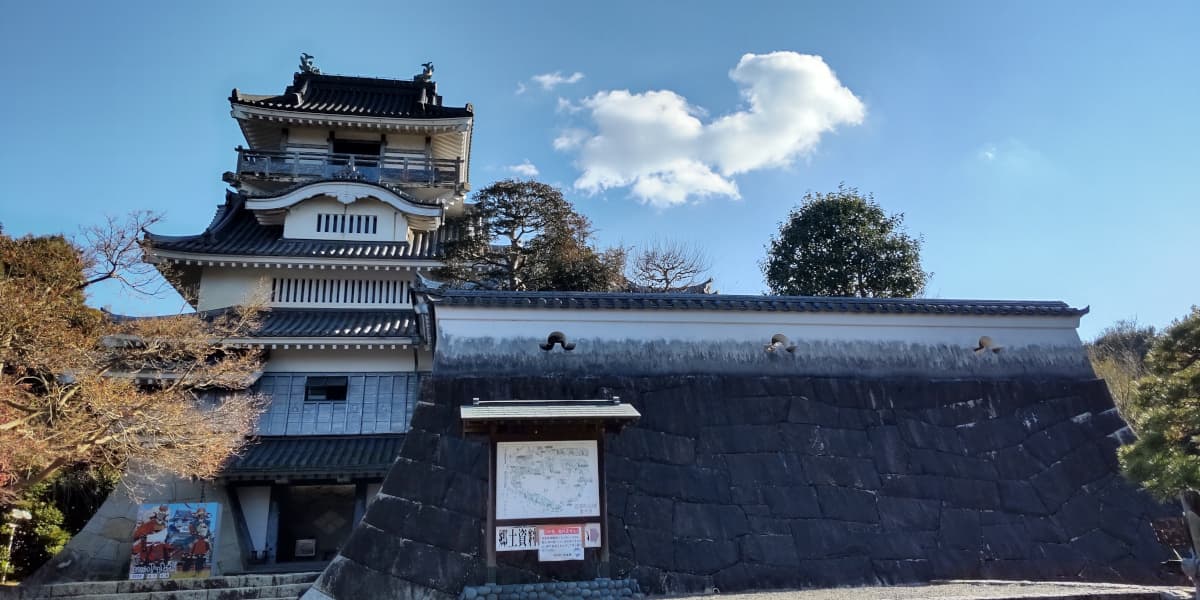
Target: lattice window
[347, 223]
[303, 290]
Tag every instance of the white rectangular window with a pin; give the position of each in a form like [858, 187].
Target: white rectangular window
[347, 223]
[292, 291]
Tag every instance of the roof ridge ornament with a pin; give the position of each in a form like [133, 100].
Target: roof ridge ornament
[426, 72]
[306, 64]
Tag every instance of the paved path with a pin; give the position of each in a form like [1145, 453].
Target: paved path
[975, 590]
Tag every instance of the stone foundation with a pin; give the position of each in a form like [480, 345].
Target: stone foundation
[753, 482]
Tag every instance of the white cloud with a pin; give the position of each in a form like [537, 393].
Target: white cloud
[1011, 155]
[660, 146]
[569, 139]
[525, 169]
[549, 81]
[520, 87]
[566, 106]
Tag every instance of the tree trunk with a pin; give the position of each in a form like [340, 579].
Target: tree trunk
[1190, 499]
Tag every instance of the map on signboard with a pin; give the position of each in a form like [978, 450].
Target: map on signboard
[539, 480]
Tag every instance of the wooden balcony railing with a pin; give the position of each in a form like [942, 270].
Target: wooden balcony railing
[401, 170]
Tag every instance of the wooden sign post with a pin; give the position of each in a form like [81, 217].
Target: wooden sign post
[546, 488]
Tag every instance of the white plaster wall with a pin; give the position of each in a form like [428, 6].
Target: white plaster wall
[256, 503]
[372, 491]
[408, 143]
[301, 220]
[345, 361]
[223, 287]
[755, 326]
[308, 135]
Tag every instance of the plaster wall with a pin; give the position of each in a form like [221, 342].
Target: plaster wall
[757, 326]
[224, 287]
[507, 341]
[310, 136]
[256, 504]
[303, 361]
[221, 287]
[301, 220]
[410, 143]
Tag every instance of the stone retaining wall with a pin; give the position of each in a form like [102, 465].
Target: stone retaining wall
[751, 482]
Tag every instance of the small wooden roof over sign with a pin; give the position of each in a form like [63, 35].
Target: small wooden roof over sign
[479, 416]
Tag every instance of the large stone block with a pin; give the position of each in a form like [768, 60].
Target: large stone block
[848, 472]
[908, 514]
[650, 512]
[706, 557]
[738, 439]
[823, 538]
[777, 550]
[709, 521]
[760, 469]
[792, 501]
[848, 504]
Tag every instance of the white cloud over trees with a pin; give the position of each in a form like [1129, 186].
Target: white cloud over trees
[525, 169]
[666, 150]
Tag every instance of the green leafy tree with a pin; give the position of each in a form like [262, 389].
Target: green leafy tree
[844, 244]
[1165, 412]
[524, 235]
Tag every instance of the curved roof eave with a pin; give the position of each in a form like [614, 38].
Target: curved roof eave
[346, 192]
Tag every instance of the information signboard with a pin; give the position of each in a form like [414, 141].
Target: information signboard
[560, 542]
[540, 480]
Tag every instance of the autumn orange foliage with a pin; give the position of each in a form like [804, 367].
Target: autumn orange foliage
[78, 385]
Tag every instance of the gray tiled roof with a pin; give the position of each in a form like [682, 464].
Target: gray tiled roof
[360, 455]
[235, 231]
[356, 96]
[325, 323]
[641, 301]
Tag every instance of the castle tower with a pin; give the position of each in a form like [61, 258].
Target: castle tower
[339, 199]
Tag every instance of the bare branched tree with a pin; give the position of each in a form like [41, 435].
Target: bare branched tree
[668, 266]
[81, 386]
[112, 251]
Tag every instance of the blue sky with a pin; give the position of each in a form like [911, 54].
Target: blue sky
[1043, 150]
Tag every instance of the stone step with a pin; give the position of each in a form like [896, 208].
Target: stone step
[233, 587]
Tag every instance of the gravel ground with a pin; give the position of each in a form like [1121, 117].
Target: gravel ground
[972, 590]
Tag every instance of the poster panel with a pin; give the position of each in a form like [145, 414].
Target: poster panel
[541, 480]
[560, 542]
[174, 541]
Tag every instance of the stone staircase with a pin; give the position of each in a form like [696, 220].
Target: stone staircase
[233, 587]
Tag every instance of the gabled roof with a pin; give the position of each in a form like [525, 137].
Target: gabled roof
[326, 323]
[642, 301]
[235, 231]
[315, 457]
[321, 323]
[359, 96]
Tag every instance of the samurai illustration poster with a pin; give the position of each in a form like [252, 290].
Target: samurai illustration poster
[174, 541]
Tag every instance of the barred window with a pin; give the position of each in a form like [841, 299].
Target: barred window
[347, 223]
[319, 389]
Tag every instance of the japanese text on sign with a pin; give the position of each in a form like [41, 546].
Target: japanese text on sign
[520, 537]
[560, 542]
